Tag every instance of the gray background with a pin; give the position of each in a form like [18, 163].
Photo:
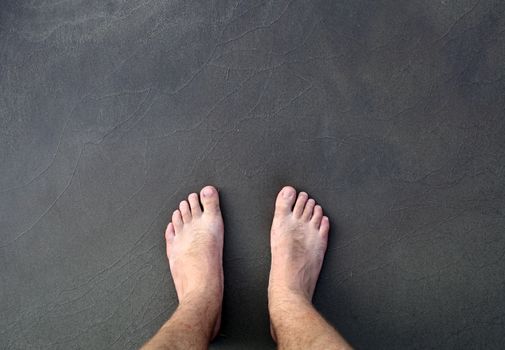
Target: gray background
[390, 113]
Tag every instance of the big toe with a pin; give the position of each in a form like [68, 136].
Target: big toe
[285, 200]
[210, 200]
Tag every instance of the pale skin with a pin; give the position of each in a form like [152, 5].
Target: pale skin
[194, 242]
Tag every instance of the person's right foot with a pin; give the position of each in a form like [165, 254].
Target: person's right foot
[298, 241]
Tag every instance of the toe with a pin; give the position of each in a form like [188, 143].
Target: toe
[285, 200]
[317, 216]
[177, 221]
[300, 204]
[309, 209]
[210, 200]
[170, 232]
[169, 237]
[325, 227]
[194, 204]
[185, 211]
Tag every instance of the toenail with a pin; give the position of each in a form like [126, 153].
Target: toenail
[207, 191]
[287, 193]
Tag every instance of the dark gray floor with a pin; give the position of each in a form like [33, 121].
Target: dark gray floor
[389, 113]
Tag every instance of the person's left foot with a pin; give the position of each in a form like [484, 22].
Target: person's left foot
[194, 249]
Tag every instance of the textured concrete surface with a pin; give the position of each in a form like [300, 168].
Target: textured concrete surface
[389, 113]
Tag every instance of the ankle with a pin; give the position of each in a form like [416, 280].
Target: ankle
[201, 314]
[282, 299]
[210, 299]
[288, 309]
[206, 291]
[284, 288]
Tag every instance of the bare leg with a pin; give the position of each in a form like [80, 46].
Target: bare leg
[195, 253]
[298, 240]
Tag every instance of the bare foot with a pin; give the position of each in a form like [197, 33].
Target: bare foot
[195, 252]
[298, 241]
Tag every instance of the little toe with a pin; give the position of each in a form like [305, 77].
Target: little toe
[177, 221]
[309, 209]
[285, 200]
[317, 216]
[325, 227]
[210, 200]
[185, 211]
[194, 203]
[300, 204]
[169, 237]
